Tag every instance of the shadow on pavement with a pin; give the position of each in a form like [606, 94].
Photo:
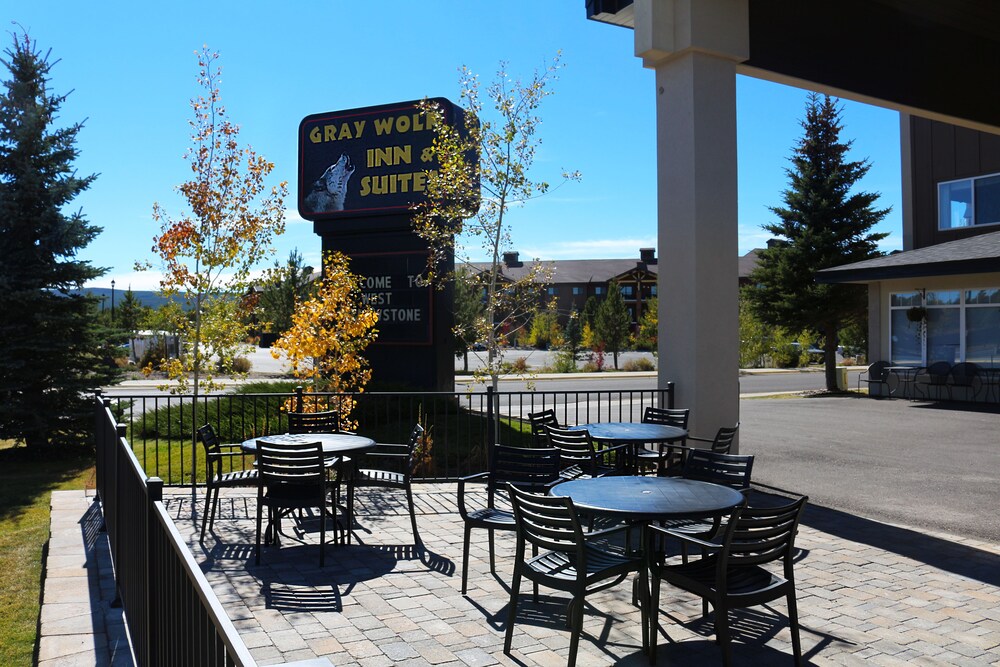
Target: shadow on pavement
[942, 553]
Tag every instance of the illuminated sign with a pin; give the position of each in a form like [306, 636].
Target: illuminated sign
[369, 161]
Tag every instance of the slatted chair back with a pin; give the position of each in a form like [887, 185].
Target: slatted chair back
[547, 523]
[729, 469]
[667, 416]
[538, 421]
[528, 468]
[937, 373]
[314, 422]
[763, 535]
[284, 464]
[213, 453]
[576, 447]
[724, 439]
[965, 374]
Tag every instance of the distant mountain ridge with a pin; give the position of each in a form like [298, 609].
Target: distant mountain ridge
[145, 297]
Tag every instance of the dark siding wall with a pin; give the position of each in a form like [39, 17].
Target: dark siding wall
[944, 152]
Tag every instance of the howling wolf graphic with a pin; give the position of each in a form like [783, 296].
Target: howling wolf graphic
[328, 191]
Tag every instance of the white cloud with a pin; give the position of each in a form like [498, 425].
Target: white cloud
[591, 249]
[137, 281]
[292, 217]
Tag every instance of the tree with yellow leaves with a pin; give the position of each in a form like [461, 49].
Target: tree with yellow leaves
[208, 252]
[329, 334]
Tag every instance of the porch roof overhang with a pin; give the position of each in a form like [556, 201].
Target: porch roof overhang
[976, 254]
[930, 58]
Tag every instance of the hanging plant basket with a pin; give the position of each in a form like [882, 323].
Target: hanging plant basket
[916, 314]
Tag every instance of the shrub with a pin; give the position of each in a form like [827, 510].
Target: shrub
[640, 364]
[241, 365]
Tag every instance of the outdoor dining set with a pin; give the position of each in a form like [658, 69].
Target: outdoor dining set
[598, 504]
[966, 380]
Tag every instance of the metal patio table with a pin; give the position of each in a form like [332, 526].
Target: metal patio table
[640, 500]
[636, 434]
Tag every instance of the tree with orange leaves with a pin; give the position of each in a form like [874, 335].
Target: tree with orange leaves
[329, 334]
[208, 253]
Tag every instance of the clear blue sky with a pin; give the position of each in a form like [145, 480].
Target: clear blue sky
[132, 70]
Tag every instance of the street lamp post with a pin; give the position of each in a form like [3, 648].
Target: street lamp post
[112, 301]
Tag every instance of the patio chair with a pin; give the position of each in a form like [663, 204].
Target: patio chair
[533, 469]
[877, 374]
[733, 576]
[538, 421]
[581, 459]
[667, 456]
[216, 454]
[314, 422]
[935, 375]
[396, 463]
[327, 421]
[723, 440]
[965, 376]
[731, 470]
[728, 469]
[570, 560]
[291, 476]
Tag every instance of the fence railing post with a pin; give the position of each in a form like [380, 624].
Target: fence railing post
[298, 399]
[153, 584]
[491, 434]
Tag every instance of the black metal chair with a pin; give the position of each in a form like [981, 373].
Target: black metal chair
[569, 561]
[729, 469]
[396, 463]
[327, 421]
[216, 478]
[581, 459]
[538, 421]
[722, 443]
[291, 476]
[965, 376]
[733, 576]
[877, 374]
[533, 469]
[935, 375]
[667, 456]
[733, 470]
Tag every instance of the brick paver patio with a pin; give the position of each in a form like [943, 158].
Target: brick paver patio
[868, 593]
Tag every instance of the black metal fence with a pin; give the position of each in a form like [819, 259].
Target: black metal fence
[172, 614]
[160, 428]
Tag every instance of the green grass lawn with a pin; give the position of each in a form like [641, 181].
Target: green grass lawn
[26, 485]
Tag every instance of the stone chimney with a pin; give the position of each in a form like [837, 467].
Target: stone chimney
[647, 255]
[511, 258]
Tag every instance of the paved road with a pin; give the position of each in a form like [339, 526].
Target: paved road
[925, 464]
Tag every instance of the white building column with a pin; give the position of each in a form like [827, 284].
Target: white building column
[694, 46]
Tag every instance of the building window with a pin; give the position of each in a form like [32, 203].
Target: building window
[944, 315]
[969, 202]
[598, 290]
[577, 291]
[960, 325]
[982, 326]
[551, 291]
[652, 290]
[628, 291]
[905, 343]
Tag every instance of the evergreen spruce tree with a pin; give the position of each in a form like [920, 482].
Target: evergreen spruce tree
[821, 225]
[51, 352]
[612, 321]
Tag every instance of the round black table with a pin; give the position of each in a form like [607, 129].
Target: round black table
[637, 434]
[334, 444]
[643, 499]
[633, 432]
